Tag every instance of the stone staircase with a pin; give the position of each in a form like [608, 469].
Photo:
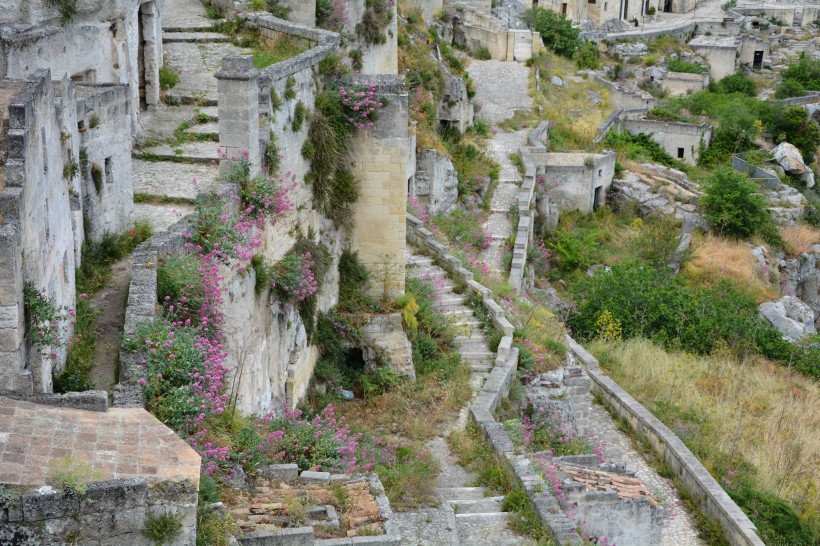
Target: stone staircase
[182, 133]
[468, 515]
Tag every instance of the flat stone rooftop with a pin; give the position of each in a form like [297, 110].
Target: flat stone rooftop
[120, 443]
[570, 159]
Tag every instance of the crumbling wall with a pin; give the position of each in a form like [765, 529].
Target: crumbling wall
[681, 141]
[105, 168]
[37, 225]
[683, 83]
[101, 44]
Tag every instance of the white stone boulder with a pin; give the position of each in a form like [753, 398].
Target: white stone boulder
[558, 82]
[790, 158]
[389, 345]
[436, 182]
[789, 316]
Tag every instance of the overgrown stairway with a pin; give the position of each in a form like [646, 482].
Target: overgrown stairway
[468, 515]
[182, 133]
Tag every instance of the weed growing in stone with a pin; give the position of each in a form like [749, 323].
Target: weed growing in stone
[72, 476]
[162, 529]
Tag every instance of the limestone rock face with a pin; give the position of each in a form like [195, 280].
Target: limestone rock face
[790, 316]
[387, 336]
[790, 158]
[801, 276]
[436, 182]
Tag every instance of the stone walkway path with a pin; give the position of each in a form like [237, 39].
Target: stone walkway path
[500, 102]
[110, 304]
[467, 516]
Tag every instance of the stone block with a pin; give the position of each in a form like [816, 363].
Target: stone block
[115, 495]
[299, 536]
[284, 472]
[129, 520]
[38, 507]
[309, 476]
[10, 339]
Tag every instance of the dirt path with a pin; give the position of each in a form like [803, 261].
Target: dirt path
[110, 304]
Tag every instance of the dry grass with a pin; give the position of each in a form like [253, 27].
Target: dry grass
[799, 238]
[776, 412]
[716, 258]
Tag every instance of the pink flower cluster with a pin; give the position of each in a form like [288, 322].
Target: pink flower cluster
[338, 16]
[293, 277]
[360, 105]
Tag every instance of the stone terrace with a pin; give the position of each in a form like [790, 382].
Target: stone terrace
[120, 443]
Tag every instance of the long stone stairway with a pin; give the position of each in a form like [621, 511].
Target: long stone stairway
[468, 515]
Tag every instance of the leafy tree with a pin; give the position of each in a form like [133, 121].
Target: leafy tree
[556, 31]
[806, 71]
[793, 126]
[732, 206]
[736, 83]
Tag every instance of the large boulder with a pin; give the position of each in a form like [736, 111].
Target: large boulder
[790, 158]
[436, 182]
[388, 346]
[789, 316]
[801, 276]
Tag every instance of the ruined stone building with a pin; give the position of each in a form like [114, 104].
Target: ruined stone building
[72, 90]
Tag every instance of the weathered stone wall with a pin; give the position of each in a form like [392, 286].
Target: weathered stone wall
[110, 513]
[682, 83]
[720, 53]
[381, 160]
[376, 58]
[480, 28]
[107, 146]
[37, 218]
[572, 180]
[428, 8]
[101, 44]
[674, 137]
[627, 99]
[748, 45]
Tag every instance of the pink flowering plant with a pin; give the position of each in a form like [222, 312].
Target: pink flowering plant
[293, 279]
[361, 105]
[45, 320]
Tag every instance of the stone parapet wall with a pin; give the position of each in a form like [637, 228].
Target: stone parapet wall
[531, 156]
[110, 513]
[672, 136]
[712, 499]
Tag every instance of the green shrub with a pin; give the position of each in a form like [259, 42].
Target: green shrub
[790, 88]
[776, 521]
[677, 65]
[168, 77]
[75, 377]
[162, 529]
[353, 278]
[735, 83]
[643, 148]
[587, 56]
[377, 15]
[806, 72]
[461, 226]
[556, 31]
[298, 117]
[178, 277]
[731, 205]
[482, 53]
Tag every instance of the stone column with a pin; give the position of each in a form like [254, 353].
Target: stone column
[238, 85]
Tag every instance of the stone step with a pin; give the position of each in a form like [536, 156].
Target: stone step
[192, 152]
[478, 356]
[461, 493]
[463, 323]
[176, 98]
[488, 530]
[194, 37]
[474, 335]
[211, 111]
[421, 273]
[203, 25]
[481, 368]
[416, 260]
[487, 505]
[486, 517]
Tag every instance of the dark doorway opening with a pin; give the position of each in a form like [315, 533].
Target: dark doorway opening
[757, 63]
[598, 197]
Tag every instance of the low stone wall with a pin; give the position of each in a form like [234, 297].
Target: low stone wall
[620, 97]
[810, 98]
[538, 141]
[712, 499]
[674, 137]
[110, 513]
[755, 173]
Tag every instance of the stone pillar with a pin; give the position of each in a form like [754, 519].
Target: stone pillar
[380, 162]
[238, 85]
[152, 52]
[13, 375]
